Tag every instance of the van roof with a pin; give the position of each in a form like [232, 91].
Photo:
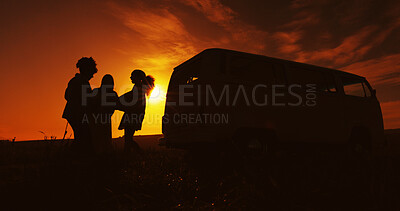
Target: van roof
[227, 51]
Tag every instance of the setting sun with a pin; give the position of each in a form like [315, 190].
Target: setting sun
[157, 95]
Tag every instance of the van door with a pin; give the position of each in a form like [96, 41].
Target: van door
[330, 115]
[358, 103]
[180, 104]
[318, 116]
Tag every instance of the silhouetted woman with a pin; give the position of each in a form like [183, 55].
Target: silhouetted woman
[77, 110]
[104, 104]
[133, 103]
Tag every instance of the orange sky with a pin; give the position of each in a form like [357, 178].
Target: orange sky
[42, 40]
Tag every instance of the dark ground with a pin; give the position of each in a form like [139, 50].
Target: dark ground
[46, 176]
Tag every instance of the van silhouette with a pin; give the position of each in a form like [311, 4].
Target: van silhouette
[257, 102]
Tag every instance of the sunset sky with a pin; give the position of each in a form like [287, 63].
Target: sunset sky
[41, 41]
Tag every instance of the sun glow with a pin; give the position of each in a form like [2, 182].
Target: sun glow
[157, 95]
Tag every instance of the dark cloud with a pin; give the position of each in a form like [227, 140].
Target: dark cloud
[360, 36]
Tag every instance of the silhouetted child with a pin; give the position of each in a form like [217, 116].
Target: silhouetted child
[133, 103]
[104, 104]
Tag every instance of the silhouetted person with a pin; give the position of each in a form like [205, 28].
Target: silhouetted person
[104, 104]
[133, 103]
[77, 110]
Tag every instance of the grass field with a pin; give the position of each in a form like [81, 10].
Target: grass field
[46, 175]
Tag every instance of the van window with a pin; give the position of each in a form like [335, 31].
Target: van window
[353, 86]
[303, 77]
[189, 73]
[192, 79]
[252, 69]
[330, 80]
[368, 92]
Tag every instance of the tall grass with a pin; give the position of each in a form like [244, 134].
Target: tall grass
[49, 176]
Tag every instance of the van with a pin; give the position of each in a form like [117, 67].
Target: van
[223, 96]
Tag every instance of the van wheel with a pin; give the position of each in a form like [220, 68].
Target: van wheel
[360, 142]
[252, 144]
[254, 154]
